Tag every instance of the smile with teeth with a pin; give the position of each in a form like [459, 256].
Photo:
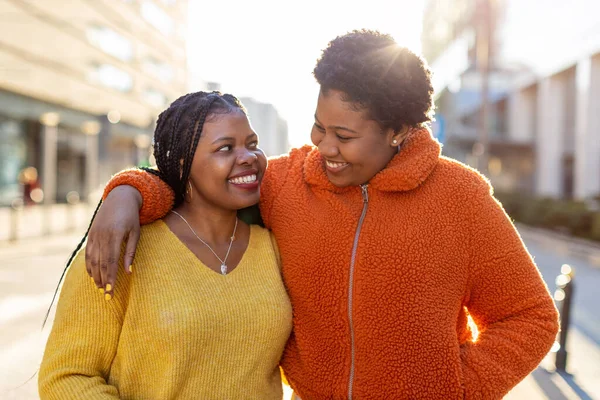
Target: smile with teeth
[243, 179]
[335, 165]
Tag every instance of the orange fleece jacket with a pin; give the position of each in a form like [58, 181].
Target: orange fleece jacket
[383, 277]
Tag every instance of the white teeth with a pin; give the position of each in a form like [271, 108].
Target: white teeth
[243, 179]
[331, 164]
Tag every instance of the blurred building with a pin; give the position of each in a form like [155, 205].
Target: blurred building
[270, 126]
[544, 89]
[81, 85]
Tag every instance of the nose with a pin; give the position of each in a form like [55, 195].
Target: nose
[247, 157]
[327, 147]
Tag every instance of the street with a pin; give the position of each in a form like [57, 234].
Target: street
[31, 268]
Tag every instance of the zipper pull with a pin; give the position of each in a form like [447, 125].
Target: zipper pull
[365, 193]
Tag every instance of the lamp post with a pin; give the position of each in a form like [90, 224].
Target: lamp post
[563, 297]
[484, 27]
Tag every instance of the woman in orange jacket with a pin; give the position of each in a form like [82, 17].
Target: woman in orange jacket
[387, 246]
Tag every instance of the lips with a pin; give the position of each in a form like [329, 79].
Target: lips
[248, 180]
[335, 166]
[243, 179]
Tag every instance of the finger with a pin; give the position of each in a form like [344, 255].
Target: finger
[132, 241]
[110, 274]
[88, 257]
[92, 264]
[108, 269]
[95, 270]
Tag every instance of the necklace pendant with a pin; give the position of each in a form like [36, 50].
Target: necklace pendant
[223, 269]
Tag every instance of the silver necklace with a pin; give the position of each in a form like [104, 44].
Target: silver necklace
[223, 261]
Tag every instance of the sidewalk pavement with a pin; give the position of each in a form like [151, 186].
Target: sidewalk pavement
[562, 243]
[580, 382]
[43, 220]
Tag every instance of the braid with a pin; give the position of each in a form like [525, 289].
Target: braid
[195, 138]
[176, 138]
[175, 169]
[235, 102]
[179, 108]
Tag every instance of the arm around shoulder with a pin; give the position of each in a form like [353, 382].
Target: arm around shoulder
[157, 196]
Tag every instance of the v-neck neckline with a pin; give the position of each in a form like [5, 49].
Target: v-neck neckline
[192, 255]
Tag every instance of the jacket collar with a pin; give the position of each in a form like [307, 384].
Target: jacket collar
[413, 164]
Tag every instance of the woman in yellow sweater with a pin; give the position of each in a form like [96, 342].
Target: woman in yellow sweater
[207, 317]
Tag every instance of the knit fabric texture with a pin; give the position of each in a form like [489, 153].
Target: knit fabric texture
[175, 329]
[381, 308]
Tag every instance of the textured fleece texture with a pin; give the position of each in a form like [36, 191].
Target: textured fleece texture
[174, 330]
[153, 208]
[434, 247]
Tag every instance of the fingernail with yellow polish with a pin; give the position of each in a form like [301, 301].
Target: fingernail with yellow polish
[107, 296]
[108, 287]
[101, 290]
[131, 268]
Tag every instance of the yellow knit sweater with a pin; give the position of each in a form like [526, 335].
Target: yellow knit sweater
[174, 330]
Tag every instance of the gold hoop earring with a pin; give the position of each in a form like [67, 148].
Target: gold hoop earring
[189, 190]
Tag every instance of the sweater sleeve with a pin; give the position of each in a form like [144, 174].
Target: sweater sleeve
[273, 181]
[157, 195]
[508, 301]
[84, 339]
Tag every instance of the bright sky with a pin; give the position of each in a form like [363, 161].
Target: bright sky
[267, 49]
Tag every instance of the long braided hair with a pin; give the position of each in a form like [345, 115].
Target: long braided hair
[176, 137]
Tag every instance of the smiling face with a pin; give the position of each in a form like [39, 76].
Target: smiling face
[228, 165]
[354, 148]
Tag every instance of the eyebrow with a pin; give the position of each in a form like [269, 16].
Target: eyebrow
[338, 127]
[232, 139]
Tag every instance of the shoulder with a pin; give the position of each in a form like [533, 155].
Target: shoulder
[155, 238]
[293, 159]
[281, 169]
[154, 230]
[264, 243]
[263, 238]
[259, 233]
[456, 176]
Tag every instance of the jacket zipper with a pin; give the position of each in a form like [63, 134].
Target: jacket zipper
[365, 195]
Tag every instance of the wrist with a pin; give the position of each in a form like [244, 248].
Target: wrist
[127, 193]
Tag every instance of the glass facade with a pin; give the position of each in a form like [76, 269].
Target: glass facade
[13, 156]
[110, 42]
[112, 77]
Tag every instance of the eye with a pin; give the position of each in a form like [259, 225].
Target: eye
[253, 145]
[319, 127]
[343, 138]
[225, 148]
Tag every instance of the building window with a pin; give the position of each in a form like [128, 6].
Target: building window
[12, 159]
[110, 42]
[158, 69]
[112, 77]
[154, 98]
[157, 18]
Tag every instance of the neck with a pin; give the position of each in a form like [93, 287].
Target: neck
[210, 223]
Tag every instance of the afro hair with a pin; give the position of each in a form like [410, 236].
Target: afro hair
[377, 75]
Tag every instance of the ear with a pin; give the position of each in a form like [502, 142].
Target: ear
[397, 137]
